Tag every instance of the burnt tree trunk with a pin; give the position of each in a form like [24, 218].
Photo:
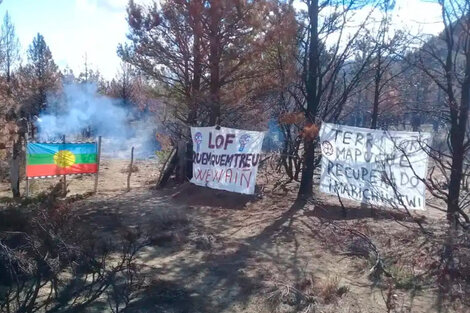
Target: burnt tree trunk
[459, 121]
[415, 117]
[196, 8]
[215, 13]
[181, 164]
[377, 79]
[15, 163]
[306, 182]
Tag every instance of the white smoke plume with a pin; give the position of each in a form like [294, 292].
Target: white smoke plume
[81, 113]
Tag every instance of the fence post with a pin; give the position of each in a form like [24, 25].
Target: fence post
[26, 166]
[98, 159]
[64, 186]
[130, 170]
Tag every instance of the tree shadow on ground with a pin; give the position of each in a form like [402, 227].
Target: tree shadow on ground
[206, 197]
[167, 296]
[338, 212]
[225, 276]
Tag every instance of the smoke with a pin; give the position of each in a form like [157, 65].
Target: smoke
[81, 113]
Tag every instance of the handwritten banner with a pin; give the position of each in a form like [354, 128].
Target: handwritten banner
[226, 158]
[374, 166]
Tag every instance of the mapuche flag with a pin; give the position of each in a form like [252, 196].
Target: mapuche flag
[49, 159]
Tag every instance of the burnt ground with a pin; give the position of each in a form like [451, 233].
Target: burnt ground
[215, 251]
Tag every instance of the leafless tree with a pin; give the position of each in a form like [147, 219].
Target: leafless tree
[328, 76]
[10, 46]
[446, 61]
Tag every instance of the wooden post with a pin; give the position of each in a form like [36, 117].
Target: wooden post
[130, 170]
[98, 157]
[64, 176]
[15, 167]
[25, 166]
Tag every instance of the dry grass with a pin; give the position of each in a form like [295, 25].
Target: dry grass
[205, 241]
[330, 289]
[305, 296]
[284, 296]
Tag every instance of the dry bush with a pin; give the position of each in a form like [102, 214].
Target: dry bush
[405, 278]
[330, 289]
[284, 297]
[358, 247]
[49, 261]
[205, 241]
[306, 295]
[453, 270]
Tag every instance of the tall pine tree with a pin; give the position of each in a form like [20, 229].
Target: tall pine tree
[43, 74]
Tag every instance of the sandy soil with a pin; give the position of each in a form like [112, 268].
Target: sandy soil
[215, 251]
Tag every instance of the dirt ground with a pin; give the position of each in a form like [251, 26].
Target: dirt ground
[215, 251]
[112, 179]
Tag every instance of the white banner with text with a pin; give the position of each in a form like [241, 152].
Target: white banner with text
[374, 166]
[226, 158]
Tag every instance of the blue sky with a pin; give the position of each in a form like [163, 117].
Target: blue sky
[73, 28]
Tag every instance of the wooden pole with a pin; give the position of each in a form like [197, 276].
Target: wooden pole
[98, 157]
[130, 170]
[64, 177]
[25, 166]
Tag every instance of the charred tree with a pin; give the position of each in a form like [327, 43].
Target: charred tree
[195, 51]
[375, 103]
[446, 61]
[215, 15]
[312, 99]
[458, 131]
[327, 82]
[15, 163]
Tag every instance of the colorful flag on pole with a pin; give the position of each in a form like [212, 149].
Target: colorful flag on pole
[49, 159]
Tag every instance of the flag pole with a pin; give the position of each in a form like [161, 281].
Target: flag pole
[98, 157]
[64, 177]
[26, 166]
